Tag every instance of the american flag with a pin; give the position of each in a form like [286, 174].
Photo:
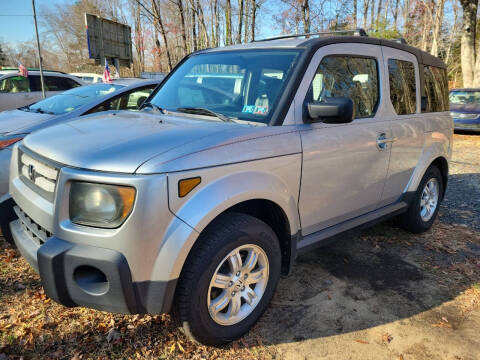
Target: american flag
[106, 73]
[22, 70]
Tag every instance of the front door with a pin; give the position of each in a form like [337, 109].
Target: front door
[344, 165]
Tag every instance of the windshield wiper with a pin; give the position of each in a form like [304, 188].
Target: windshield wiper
[153, 106]
[204, 111]
[40, 111]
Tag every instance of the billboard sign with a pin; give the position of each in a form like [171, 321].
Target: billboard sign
[108, 39]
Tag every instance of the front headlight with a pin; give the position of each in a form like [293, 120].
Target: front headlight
[100, 205]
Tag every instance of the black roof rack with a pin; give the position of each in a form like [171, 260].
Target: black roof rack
[355, 32]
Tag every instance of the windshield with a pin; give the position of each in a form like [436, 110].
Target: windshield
[464, 97]
[72, 99]
[242, 84]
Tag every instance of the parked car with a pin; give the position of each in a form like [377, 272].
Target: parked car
[204, 198]
[17, 90]
[77, 102]
[465, 109]
[89, 78]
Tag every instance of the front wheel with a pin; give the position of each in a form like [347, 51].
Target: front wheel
[426, 202]
[229, 279]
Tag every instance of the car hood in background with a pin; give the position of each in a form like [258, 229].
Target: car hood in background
[465, 108]
[14, 121]
[123, 141]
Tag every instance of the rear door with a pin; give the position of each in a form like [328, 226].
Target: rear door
[403, 99]
[344, 165]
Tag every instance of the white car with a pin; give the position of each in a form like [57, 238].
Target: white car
[17, 91]
[90, 78]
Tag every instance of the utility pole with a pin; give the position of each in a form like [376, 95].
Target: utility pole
[38, 45]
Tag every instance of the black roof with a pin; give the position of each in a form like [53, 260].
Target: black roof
[422, 56]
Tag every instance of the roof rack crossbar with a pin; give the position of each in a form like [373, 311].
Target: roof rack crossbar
[355, 32]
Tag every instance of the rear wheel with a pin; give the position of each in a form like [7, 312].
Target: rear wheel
[425, 205]
[229, 279]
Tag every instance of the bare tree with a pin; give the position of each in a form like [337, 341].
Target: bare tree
[240, 21]
[468, 41]
[159, 25]
[306, 16]
[252, 24]
[228, 23]
[355, 13]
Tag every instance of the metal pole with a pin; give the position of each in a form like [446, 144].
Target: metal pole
[38, 45]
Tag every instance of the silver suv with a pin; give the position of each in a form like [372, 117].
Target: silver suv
[243, 157]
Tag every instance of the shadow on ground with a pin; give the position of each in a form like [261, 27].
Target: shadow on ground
[379, 275]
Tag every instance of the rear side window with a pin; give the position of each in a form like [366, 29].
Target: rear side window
[403, 92]
[436, 89]
[347, 76]
[57, 83]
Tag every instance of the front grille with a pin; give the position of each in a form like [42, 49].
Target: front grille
[38, 234]
[37, 174]
[465, 116]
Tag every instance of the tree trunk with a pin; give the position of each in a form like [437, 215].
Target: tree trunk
[306, 16]
[228, 23]
[182, 27]
[355, 14]
[240, 21]
[395, 15]
[194, 26]
[437, 24]
[159, 23]
[476, 77]
[372, 14]
[365, 12]
[379, 9]
[247, 24]
[468, 41]
[252, 24]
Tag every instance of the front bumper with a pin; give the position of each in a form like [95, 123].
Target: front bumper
[83, 275]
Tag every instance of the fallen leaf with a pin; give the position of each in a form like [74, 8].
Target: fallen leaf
[361, 341]
[442, 324]
[386, 338]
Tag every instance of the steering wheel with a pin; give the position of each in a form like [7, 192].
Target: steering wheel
[213, 91]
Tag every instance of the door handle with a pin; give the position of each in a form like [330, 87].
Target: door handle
[383, 141]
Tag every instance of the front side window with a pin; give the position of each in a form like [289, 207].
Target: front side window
[72, 99]
[347, 76]
[243, 84]
[403, 91]
[129, 101]
[14, 84]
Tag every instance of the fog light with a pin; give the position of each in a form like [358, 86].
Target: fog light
[91, 280]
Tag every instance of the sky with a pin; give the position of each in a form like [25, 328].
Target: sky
[15, 28]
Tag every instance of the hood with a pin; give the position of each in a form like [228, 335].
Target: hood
[17, 121]
[465, 108]
[122, 141]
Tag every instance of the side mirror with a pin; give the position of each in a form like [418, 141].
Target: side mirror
[335, 110]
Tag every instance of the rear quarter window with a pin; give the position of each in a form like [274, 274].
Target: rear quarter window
[403, 91]
[436, 89]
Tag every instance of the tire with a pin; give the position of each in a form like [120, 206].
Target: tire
[7, 215]
[416, 220]
[227, 234]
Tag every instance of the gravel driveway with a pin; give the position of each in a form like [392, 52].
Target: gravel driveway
[378, 294]
[388, 294]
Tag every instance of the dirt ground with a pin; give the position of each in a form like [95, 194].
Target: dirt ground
[377, 294]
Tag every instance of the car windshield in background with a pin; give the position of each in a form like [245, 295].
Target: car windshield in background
[464, 97]
[71, 99]
[243, 84]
